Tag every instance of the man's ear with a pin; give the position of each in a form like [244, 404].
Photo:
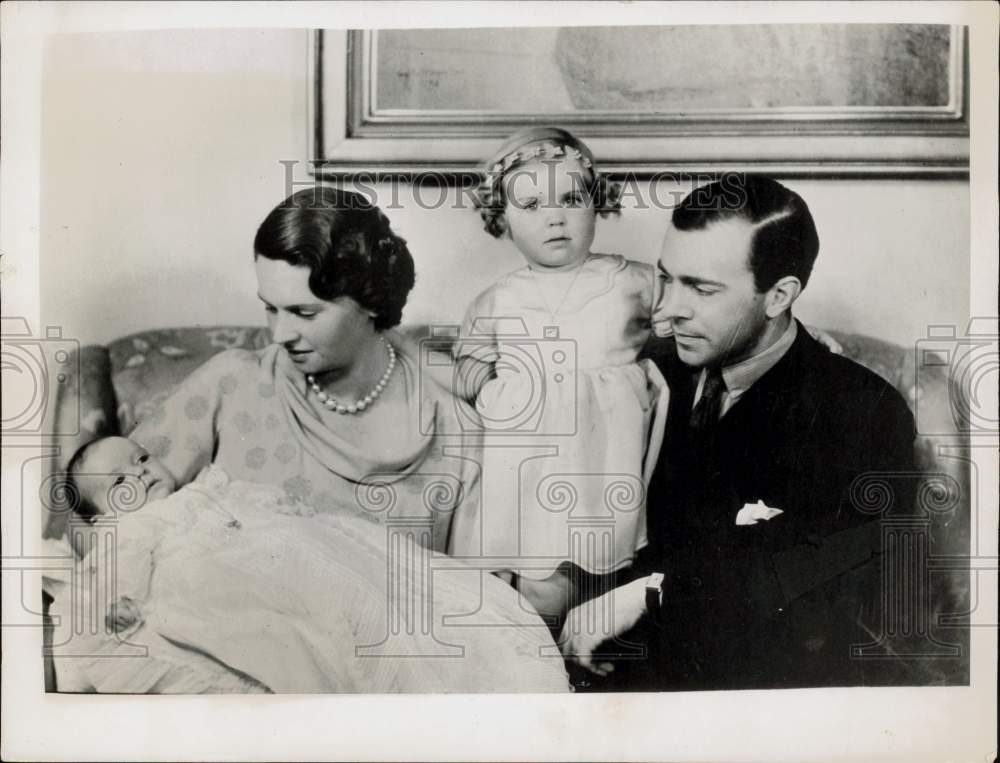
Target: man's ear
[781, 296]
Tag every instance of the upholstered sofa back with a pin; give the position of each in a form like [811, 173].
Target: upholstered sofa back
[118, 384]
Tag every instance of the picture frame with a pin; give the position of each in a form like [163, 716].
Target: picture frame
[356, 128]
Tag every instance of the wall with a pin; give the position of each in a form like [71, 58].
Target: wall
[160, 156]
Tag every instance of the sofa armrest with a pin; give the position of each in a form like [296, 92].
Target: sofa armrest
[85, 409]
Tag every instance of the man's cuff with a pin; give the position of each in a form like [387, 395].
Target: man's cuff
[654, 594]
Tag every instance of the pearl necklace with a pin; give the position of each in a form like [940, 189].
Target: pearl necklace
[364, 402]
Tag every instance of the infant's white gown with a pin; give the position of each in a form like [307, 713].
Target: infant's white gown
[238, 597]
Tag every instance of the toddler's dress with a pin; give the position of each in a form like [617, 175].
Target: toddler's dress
[566, 418]
[241, 590]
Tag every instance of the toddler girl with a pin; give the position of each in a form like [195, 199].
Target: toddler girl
[549, 353]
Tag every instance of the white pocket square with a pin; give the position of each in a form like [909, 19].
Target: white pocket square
[751, 513]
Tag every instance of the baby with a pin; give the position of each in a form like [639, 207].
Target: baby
[229, 587]
[112, 473]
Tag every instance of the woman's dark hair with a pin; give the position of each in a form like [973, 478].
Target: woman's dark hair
[785, 242]
[348, 246]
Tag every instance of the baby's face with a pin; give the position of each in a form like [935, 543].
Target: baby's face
[117, 464]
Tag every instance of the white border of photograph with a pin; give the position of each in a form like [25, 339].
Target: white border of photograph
[839, 724]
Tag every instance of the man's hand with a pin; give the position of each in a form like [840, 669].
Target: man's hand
[122, 615]
[600, 619]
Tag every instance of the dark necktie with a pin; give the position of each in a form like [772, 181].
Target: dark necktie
[705, 414]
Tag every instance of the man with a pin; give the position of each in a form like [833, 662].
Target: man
[759, 567]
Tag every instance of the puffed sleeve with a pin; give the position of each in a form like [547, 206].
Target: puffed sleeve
[647, 286]
[183, 431]
[477, 335]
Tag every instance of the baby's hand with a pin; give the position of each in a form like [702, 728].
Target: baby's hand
[122, 615]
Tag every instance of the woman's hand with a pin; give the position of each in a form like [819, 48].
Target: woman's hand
[123, 615]
[619, 608]
[549, 597]
[826, 340]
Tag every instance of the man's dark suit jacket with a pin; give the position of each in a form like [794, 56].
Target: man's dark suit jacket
[778, 603]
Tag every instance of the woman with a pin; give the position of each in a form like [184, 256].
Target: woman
[327, 424]
[332, 412]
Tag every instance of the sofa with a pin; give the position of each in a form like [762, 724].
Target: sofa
[112, 387]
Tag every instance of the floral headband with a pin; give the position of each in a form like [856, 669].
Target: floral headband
[539, 151]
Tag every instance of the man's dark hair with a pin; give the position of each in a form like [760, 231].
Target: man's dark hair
[784, 243]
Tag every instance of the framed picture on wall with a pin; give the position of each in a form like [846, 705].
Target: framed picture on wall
[790, 99]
